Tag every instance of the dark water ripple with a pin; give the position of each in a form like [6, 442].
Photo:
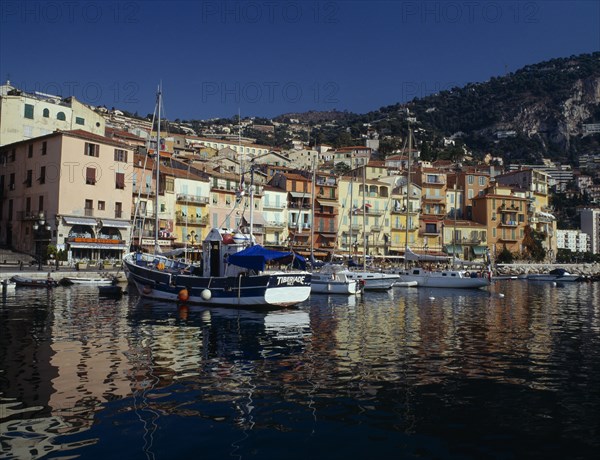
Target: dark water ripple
[505, 374]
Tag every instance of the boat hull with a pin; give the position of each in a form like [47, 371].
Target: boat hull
[447, 279]
[321, 286]
[21, 281]
[555, 278]
[373, 281]
[268, 289]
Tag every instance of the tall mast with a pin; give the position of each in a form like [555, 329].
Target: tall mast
[364, 214]
[312, 212]
[156, 221]
[252, 205]
[407, 192]
[351, 206]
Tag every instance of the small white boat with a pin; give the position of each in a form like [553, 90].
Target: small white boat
[68, 280]
[334, 279]
[559, 275]
[458, 279]
[406, 284]
[374, 281]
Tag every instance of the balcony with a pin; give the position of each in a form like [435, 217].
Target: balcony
[118, 213]
[267, 205]
[274, 225]
[376, 228]
[508, 208]
[355, 227]
[429, 233]
[402, 210]
[202, 220]
[374, 212]
[509, 223]
[89, 212]
[185, 198]
[31, 215]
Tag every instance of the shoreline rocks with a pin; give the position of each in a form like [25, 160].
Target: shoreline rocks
[585, 270]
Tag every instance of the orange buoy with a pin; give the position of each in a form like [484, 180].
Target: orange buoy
[183, 295]
[160, 266]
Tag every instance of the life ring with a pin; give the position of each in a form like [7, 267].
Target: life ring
[147, 289]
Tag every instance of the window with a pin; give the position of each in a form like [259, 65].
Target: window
[11, 184]
[28, 204]
[121, 155]
[44, 148]
[482, 180]
[29, 177]
[470, 179]
[61, 116]
[46, 113]
[42, 178]
[89, 204]
[101, 205]
[11, 155]
[29, 150]
[79, 121]
[430, 228]
[91, 150]
[432, 179]
[118, 209]
[41, 203]
[90, 176]
[28, 111]
[169, 184]
[120, 181]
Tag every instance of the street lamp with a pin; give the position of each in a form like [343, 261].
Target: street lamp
[41, 231]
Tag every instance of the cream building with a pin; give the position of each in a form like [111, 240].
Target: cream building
[27, 116]
[78, 183]
[276, 217]
[374, 229]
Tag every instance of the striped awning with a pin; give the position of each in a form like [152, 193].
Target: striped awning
[479, 250]
[116, 223]
[453, 249]
[69, 220]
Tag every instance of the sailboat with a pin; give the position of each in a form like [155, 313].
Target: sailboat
[329, 278]
[233, 270]
[370, 280]
[451, 278]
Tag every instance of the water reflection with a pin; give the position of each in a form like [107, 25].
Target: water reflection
[85, 374]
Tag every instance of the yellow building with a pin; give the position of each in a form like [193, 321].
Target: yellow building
[364, 225]
[29, 115]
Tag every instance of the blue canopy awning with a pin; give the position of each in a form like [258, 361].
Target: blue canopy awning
[256, 257]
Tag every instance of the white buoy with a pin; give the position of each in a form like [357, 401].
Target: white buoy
[500, 295]
[432, 298]
[206, 294]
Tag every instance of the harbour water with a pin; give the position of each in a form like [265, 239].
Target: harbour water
[504, 373]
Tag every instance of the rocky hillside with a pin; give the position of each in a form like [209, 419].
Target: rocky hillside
[539, 110]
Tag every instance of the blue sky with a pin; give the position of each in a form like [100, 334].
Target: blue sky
[269, 57]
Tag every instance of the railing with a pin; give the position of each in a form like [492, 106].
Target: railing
[118, 213]
[203, 220]
[192, 198]
[274, 224]
[429, 233]
[274, 205]
[375, 228]
[89, 212]
[509, 223]
[374, 212]
[30, 215]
